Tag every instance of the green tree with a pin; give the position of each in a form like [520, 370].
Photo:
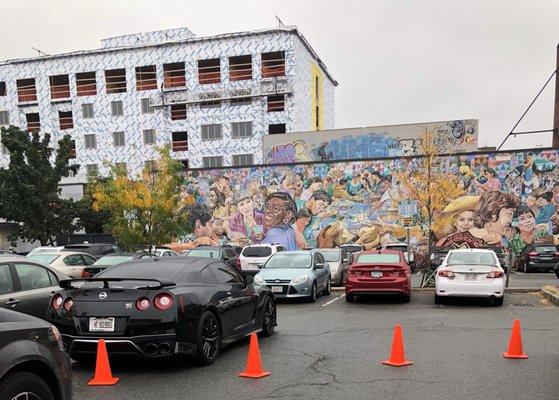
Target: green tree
[146, 210]
[29, 191]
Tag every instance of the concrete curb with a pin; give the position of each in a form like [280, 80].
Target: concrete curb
[551, 295]
[430, 289]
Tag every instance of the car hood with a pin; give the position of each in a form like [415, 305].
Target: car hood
[283, 273]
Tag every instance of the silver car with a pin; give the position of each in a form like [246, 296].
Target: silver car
[296, 274]
[338, 260]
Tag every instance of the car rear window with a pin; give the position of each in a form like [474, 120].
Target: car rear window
[113, 260]
[43, 258]
[378, 259]
[331, 255]
[546, 249]
[471, 258]
[208, 253]
[257, 251]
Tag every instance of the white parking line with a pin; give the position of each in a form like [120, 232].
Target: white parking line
[333, 300]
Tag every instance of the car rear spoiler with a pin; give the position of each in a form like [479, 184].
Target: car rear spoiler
[68, 283]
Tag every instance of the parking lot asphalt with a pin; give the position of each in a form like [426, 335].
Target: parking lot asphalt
[332, 350]
[516, 280]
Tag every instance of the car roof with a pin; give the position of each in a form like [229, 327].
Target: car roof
[60, 253]
[77, 245]
[135, 255]
[474, 250]
[208, 247]
[381, 251]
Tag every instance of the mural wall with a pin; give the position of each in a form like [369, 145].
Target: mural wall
[458, 136]
[507, 199]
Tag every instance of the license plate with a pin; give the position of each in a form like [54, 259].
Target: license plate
[277, 289]
[252, 266]
[376, 274]
[471, 277]
[101, 324]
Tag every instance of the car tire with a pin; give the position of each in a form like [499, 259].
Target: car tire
[498, 302]
[314, 294]
[406, 298]
[208, 338]
[328, 289]
[438, 299]
[350, 298]
[24, 382]
[268, 317]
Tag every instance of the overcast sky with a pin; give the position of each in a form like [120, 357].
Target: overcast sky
[396, 61]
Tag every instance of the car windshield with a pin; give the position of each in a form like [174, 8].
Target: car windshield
[113, 260]
[471, 258]
[257, 251]
[289, 260]
[43, 258]
[378, 258]
[204, 253]
[330, 255]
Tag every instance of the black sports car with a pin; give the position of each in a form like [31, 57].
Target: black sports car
[160, 308]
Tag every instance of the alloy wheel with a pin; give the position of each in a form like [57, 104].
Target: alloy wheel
[210, 337]
[269, 316]
[26, 396]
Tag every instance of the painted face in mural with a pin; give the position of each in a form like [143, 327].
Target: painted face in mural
[464, 221]
[526, 222]
[316, 206]
[505, 216]
[275, 212]
[246, 207]
[530, 201]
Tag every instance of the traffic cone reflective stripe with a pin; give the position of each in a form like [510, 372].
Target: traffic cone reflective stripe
[397, 353]
[254, 363]
[515, 343]
[103, 375]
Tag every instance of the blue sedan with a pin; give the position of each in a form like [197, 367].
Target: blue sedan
[291, 274]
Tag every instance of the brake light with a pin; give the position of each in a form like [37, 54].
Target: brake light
[533, 254]
[163, 301]
[86, 274]
[68, 304]
[446, 273]
[496, 274]
[142, 303]
[57, 301]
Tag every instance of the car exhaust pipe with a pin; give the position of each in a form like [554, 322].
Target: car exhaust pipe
[151, 349]
[165, 348]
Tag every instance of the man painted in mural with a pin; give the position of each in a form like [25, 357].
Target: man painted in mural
[453, 225]
[247, 223]
[527, 231]
[317, 207]
[546, 208]
[291, 183]
[202, 223]
[493, 217]
[279, 213]
[315, 184]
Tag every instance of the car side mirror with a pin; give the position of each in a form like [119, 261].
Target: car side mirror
[249, 279]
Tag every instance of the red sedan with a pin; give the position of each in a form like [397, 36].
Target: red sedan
[379, 272]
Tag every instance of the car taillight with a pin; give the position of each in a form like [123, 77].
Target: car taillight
[163, 301]
[403, 272]
[142, 303]
[556, 253]
[57, 301]
[446, 273]
[533, 254]
[68, 304]
[86, 274]
[496, 274]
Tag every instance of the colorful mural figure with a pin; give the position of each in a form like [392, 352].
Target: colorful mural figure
[510, 200]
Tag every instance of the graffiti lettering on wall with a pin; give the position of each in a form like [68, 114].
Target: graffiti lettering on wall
[508, 200]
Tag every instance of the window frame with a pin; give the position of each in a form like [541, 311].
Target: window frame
[12, 279]
[150, 135]
[91, 136]
[213, 132]
[5, 113]
[241, 129]
[209, 158]
[89, 115]
[41, 267]
[245, 160]
[121, 109]
[146, 110]
[123, 139]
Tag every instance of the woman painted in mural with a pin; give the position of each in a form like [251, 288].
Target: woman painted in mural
[279, 213]
[218, 203]
[493, 217]
[527, 230]
[453, 225]
[247, 224]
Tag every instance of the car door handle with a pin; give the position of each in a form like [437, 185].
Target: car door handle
[12, 302]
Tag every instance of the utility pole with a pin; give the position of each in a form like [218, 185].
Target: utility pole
[556, 112]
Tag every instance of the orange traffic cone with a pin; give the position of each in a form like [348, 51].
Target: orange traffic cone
[103, 376]
[397, 356]
[254, 363]
[515, 343]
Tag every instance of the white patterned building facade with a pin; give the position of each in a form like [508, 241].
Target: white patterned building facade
[212, 99]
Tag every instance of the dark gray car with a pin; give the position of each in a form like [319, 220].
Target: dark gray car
[33, 365]
[27, 286]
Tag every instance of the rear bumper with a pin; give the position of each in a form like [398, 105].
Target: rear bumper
[541, 265]
[400, 285]
[448, 289]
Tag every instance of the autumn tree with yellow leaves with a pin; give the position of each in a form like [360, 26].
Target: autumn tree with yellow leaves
[145, 211]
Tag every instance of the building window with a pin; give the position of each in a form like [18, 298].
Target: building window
[115, 80]
[185, 165]
[210, 104]
[212, 162]
[4, 118]
[73, 149]
[59, 87]
[276, 103]
[274, 129]
[149, 136]
[87, 110]
[241, 129]
[146, 106]
[241, 101]
[146, 78]
[211, 132]
[90, 141]
[273, 64]
[116, 108]
[178, 111]
[65, 120]
[121, 168]
[209, 71]
[91, 169]
[118, 139]
[180, 141]
[26, 90]
[33, 122]
[242, 159]
[86, 84]
[240, 68]
[173, 75]
[2, 88]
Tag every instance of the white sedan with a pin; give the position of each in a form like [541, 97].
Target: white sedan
[470, 273]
